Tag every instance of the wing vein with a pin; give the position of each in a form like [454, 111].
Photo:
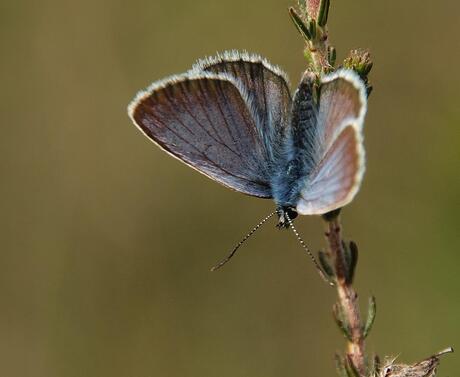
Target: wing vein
[200, 153]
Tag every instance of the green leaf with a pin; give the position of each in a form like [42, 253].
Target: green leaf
[300, 25]
[352, 261]
[332, 55]
[371, 313]
[325, 264]
[323, 12]
[312, 28]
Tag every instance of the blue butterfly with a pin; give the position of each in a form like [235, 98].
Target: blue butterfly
[232, 118]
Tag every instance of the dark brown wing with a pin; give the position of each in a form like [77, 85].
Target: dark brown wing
[203, 119]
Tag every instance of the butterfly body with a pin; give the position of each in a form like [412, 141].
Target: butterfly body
[233, 119]
[295, 161]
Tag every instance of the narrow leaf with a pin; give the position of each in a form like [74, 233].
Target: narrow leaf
[325, 264]
[312, 28]
[300, 25]
[323, 12]
[332, 56]
[353, 260]
[371, 312]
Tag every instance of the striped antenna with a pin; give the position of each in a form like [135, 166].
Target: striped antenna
[245, 238]
[304, 246]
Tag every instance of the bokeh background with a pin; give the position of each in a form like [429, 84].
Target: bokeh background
[106, 242]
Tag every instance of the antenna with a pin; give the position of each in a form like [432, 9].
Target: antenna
[302, 243]
[245, 238]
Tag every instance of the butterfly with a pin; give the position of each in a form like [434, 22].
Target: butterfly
[232, 118]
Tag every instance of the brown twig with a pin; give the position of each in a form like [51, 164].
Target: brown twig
[347, 297]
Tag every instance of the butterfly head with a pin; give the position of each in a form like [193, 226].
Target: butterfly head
[285, 214]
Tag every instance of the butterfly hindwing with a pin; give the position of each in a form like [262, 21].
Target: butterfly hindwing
[203, 119]
[338, 152]
[342, 100]
[337, 177]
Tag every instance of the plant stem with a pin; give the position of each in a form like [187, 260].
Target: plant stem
[347, 297]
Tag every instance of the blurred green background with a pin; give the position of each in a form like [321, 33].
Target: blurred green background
[106, 242]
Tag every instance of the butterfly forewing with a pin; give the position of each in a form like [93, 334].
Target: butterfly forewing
[203, 120]
[266, 87]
